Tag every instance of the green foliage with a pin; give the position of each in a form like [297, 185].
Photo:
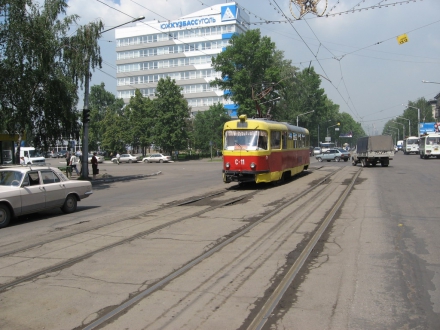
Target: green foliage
[208, 126]
[100, 102]
[247, 67]
[38, 94]
[411, 115]
[140, 111]
[170, 114]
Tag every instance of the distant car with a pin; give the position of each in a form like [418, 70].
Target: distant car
[99, 158]
[333, 154]
[25, 190]
[156, 158]
[62, 154]
[126, 158]
[316, 151]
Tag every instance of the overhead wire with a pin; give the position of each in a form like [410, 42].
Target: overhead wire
[322, 68]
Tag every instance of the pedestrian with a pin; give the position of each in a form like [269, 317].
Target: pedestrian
[73, 163]
[22, 161]
[94, 165]
[118, 156]
[68, 164]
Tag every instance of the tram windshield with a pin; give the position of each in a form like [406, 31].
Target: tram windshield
[245, 140]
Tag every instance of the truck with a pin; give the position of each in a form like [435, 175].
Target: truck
[371, 150]
[31, 156]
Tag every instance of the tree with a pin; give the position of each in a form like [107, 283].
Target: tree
[139, 111]
[170, 113]
[101, 101]
[38, 94]
[115, 136]
[247, 67]
[208, 127]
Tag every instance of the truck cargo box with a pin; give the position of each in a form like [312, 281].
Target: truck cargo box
[375, 143]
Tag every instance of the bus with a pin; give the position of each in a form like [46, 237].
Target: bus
[429, 145]
[326, 145]
[411, 145]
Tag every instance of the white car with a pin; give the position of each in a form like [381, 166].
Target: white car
[30, 189]
[126, 158]
[99, 158]
[157, 158]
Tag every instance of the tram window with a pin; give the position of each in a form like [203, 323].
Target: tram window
[275, 140]
[284, 140]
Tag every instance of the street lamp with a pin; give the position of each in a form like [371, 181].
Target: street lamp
[392, 133]
[418, 118]
[403, 128]
[338, 124]
[86, 111]
[429, 82]
[305, 113]
[409, 124]
[398, 131]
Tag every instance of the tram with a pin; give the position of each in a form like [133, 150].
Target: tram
[261, 150]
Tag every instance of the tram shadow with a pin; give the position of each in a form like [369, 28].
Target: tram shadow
[269, 185]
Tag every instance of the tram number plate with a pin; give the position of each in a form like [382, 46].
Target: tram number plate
[239, 162]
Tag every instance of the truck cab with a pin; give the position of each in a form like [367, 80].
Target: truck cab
[31, 156]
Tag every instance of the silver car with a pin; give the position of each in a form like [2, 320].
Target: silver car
[126, 158]
[157, 158]
[30, 189]
[100, 159]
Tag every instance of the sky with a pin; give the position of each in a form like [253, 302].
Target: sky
[353, 46]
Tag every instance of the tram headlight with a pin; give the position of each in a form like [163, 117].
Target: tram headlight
[253, 166]
[227, 165]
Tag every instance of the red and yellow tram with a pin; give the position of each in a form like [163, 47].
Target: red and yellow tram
[260, 150]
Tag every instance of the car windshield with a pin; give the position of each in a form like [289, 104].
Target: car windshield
[10, 178]
[342, 150]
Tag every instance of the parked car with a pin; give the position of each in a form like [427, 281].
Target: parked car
[99, 158]
[345, 154]
[316, 151]
[25, 190]
[333, 154]
[62, 154]
[126, 158]
[156, 158]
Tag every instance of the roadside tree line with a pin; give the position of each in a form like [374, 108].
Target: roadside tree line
[43, 65]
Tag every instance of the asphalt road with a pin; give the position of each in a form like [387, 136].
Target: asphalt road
[376, 268]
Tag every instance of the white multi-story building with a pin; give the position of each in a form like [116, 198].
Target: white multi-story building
[181, 49]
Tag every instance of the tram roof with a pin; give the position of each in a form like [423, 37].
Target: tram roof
[269, 122]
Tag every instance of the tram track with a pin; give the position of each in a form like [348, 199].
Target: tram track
[303, 206]
[107, 224]
[79, 258]
[105, 319]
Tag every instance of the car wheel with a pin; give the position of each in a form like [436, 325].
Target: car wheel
[346, 160]
[146, 161]
[5, 215]
[115, 161]
[69, 204]
[129, 161]
[337, 159]
[319, 159]
[161, 161]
